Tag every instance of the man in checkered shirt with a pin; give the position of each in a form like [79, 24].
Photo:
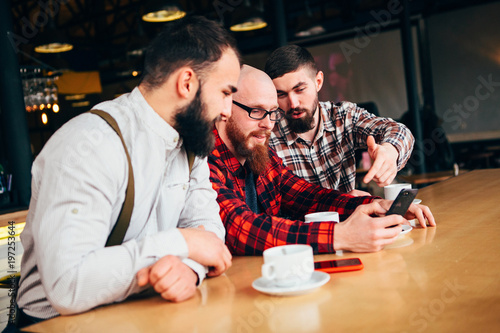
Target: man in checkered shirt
[317, 140]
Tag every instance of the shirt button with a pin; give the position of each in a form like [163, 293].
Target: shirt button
[74, 211]
[184, 187]
[176, 139]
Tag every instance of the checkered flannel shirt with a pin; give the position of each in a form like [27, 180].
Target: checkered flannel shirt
[279, 193]
[330, 160]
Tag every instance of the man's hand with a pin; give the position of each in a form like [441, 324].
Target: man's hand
[363, 233]
[207, 249]
[419, 212]
[384, 167]
[171, 278]
[358, 193]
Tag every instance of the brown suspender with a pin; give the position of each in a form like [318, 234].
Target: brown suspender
[121, 226]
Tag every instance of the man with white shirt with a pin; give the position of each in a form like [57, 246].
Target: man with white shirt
[175, 236]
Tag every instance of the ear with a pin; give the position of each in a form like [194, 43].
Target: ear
[319, 81]
[187, 82]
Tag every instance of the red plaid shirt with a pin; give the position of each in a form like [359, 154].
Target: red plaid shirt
[330, 161]
[279, 193]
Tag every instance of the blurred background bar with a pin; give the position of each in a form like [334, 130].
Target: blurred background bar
[432, 65]
[13, 122]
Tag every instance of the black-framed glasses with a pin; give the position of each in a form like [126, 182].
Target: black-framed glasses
[258, 113]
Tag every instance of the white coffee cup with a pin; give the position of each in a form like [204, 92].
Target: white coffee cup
[288, 265]
[392, 191]
[322, 216]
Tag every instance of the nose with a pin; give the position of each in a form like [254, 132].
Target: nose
[226, 110]
[266, 123]
[294, 101]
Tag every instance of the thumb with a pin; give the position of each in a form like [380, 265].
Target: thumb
[143, 277]
[373, 208]
[370, 142]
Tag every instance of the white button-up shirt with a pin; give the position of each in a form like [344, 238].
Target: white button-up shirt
[78, 188]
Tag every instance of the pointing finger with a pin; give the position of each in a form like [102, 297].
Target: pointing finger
[377, 164]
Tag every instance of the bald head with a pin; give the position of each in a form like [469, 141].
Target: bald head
[256, 88]
[245, 136]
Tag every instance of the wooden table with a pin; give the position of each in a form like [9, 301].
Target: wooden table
[18, 217]
[430, 177]
[442, 279]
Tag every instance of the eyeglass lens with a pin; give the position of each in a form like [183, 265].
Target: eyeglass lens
[261, 114]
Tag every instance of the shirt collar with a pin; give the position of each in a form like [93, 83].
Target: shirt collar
[151, 119]
[226, 156]
[282, 127]
[325, 111]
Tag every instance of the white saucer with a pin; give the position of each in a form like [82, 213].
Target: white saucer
[406, 229]
[417, 201]
[267, 287]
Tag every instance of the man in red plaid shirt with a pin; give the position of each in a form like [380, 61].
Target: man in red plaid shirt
[317, 140]
[253, 225]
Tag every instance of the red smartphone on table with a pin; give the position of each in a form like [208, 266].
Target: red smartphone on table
[339, 265]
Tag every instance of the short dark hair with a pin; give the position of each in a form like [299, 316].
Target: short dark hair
[289, 58]
[193, 41]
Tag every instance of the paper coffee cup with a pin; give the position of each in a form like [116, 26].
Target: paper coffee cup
[322, 217]
[392, 191]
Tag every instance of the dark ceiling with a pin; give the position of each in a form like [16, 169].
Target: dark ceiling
[109, 34]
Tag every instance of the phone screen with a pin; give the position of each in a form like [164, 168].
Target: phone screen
[337, 263]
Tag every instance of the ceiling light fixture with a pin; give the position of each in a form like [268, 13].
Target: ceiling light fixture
[247, 18]
[162, 11]
[309, 26]
[51, 40]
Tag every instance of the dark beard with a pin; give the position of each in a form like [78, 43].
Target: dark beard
[194, 129]
[258, 157]
[305, 123]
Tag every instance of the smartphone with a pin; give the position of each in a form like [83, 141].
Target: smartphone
[339, 265]
[402, 203]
